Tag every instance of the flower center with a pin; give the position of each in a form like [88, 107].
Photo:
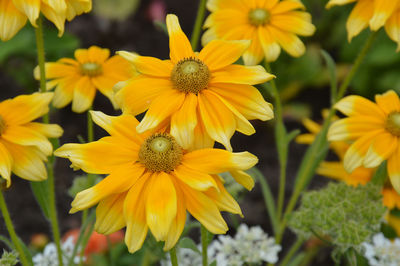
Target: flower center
[393, 124]
[190, 75]
[160, 153]
[91, 69]
[259, 16]
[2, 125]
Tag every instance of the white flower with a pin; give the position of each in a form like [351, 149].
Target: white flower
[49, 255]
[185, 256]
[382, 251]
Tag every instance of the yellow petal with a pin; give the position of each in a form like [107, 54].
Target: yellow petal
[120, 180]
[239, 74]
[83, 95]
[388, 102]
[392, 28]
[393, 168]
[64, 92]
[11, 20]
[351, 128]
[243, 178]
[57, 18]
[6, 162]
[195, 179]
[295, 22]
[381, 149]
[97, 54]
[270, 46]
[383, 9]
[149, 65]
[58, 6]
[31, 8]
[357, 105]
[214, 5]
[285, 6]
[338, 2]
[391, 199]
[202, 139]
[77, 7]
[179, 44]
[289, 42]
[359, 18]
[255, 53]
[109, 214]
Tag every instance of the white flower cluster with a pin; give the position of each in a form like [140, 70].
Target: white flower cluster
[382, 251]
[49, 255]
[249, 246]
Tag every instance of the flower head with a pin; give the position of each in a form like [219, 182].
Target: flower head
[270, 25]
[23, 144]
[374, 129]
[49, 255]
[15, 13]
[382, 251]
[152, 181]
[373, 14]
[200, 94]
[78, 79]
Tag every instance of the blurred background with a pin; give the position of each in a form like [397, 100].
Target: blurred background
[137, 25]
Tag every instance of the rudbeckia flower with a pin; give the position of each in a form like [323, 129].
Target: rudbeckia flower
[201, 94]
[23, 144]
[15, 13]
[375, 130]
[374, 14]
[269, 24]
[78, 79]
[152, 182]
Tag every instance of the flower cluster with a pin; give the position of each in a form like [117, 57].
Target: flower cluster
[382, 251]
[49, 255]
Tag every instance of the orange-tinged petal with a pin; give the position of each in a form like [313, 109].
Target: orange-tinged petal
[243, 178]
[202, 139]
[82, 55]
[6, 162]
[392, 27]
[179, 44]
[57, 70]
[359, 18]
[31, 8]
[204, 210]
[97, 54]
[357, 105]
[383, 9]
[195, 179]
[214, 5]
[138, 94]
[239, 74]
[218, 120]
[184, 121]
[86, 156]
[135, 214]
[120, 180]
[27, 161]
[109, 214]
[391, 198]
[295, 22]
[221, 53]
[160, 109]
[25, 108]
[382, 148]
[338, 2]
[289, 42]
[353, 127]
[388, 102]
[161, 205]
[149, 65]
[393, 168]
[11, 20]
[84, 93]
[355, 154]
[246, 99]
[285, 6]
[215, 161]
[270, 46]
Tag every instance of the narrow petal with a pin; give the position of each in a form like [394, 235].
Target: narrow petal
[392, 28]
[161, 205]
[57, 70]
[338, 2]
[6, 162]
[47, 130]
[195, 179]
[214, 5]
[52, 15]
[381, 149]
[255, 53]
[388, 102]
[160, 109]
[243, 178]
[359, 18]
[289, 42]
[221, 53]
[31, 8]
[202, 139]
[295, 22]
[357, 105]
[120, 180]
[11, 20]
[97, 54]
[64, 91]
[383, 9]
[287, 5]
[393, 168]
[184, 121]
[239, 74]
[109, 214]
[83, 95]
[179, 44]
[270, 46]
[351, 128]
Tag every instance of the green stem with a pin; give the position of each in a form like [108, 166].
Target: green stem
[52, 197]
[204, 245]
[317, 151]
[174, 259]
[281, 142]
[201, 12]
[295, 247]
[11, 230]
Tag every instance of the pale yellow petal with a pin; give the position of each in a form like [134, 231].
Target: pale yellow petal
[11, 20]
[109, 214]
[195, 179]
[179, 44]
[6, 162]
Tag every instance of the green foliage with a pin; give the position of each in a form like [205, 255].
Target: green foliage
[81, 183]
[115, 9]
[343, 215]
[9, 258]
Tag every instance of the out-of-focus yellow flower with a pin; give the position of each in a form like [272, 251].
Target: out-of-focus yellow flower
[201, 94]
[23, 144]
[374, 14]
[15, 13]
[78, 79]
[152, 181]
[394, 222]
[270, 25]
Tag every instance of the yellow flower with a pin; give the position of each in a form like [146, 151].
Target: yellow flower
[78, 80]
[23, 144]
[15, 13]
[270, 25]
[152, 181]
[372, 13]
[375, 130]
[394, 222]
[201, 94]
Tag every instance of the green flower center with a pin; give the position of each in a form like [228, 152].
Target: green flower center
[393, 124]
[160, 153]
[259, 16]
[91, 69]
[2, 125]
[190, 75]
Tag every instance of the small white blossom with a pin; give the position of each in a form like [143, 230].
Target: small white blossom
[185, 256]
[49, 255]
[382, 251]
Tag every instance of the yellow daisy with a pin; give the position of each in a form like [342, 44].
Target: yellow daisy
[201, 94]
[152, 181]
[78, 80]
[23, 144]
[269, 24]
[15, 13]
[375, 130]
[374, 14]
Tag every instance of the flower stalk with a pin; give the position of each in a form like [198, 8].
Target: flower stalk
[201, 12]
[204, 244]
[174, 259]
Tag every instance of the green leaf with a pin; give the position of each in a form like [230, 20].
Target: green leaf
[380, 175]
[187, 242]
[332, 74]
[41, 193]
